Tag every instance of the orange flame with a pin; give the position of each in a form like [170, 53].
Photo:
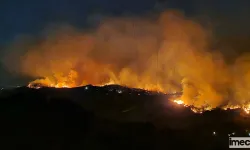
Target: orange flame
[179, 102]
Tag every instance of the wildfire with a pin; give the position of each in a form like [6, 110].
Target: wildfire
[245, 108]
[170, 54]
[62, 86]
[38, 86]
[179, 102]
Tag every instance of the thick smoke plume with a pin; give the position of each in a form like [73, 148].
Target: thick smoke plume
[169, 54]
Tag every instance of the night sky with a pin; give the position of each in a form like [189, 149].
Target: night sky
[230, 18]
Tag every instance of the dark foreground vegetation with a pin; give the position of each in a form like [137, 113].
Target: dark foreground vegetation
[110, 117]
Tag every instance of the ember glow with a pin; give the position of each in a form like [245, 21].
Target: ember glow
[169, 54]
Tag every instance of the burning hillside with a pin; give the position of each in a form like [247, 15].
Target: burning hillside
[169, 54]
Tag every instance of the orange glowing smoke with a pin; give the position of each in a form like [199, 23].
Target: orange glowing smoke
[168, 54]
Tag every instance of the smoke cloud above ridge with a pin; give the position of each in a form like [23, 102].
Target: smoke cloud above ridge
[169, 54]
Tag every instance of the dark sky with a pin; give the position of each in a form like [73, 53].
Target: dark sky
[30, 17]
